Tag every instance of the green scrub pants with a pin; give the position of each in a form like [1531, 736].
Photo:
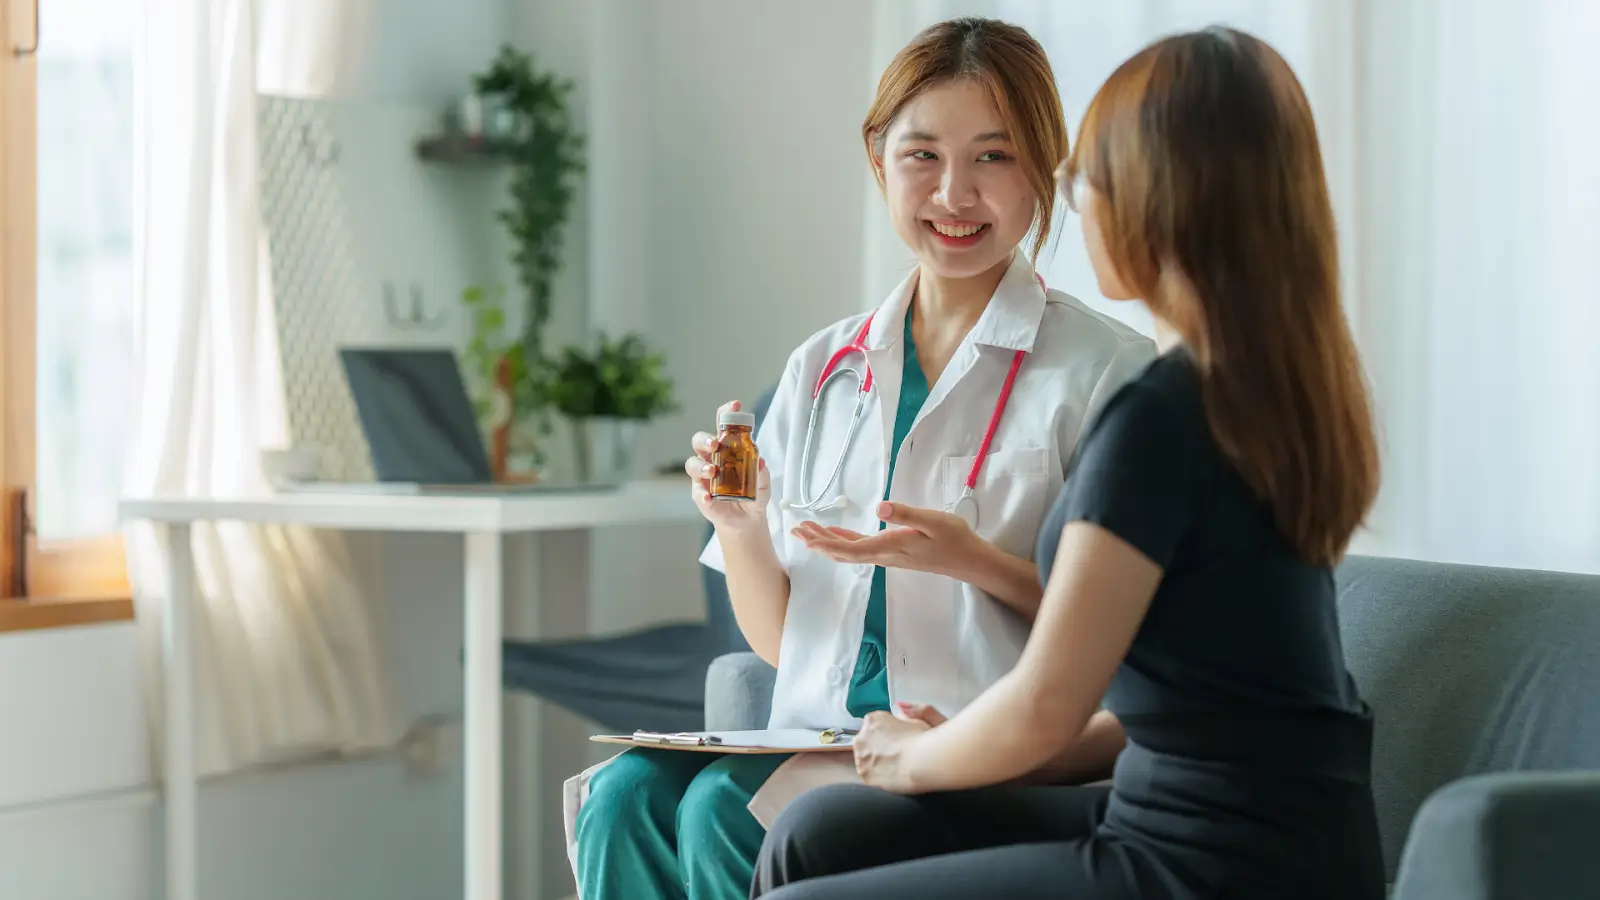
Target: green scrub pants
[671, 824]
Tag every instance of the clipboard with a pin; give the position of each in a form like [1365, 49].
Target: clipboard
[770, 741]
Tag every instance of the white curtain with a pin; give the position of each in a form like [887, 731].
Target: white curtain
[1458, 137]
[311, 48]
[287, 659]
[1480, 300]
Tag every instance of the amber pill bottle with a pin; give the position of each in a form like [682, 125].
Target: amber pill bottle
[736, 458]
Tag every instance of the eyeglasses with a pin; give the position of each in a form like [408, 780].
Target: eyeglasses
[1077, 193]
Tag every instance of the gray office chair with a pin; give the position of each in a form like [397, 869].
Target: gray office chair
[652, 679]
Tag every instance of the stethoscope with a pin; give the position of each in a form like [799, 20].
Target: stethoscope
[965, 506]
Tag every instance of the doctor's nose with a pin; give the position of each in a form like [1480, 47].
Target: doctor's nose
[957, 191]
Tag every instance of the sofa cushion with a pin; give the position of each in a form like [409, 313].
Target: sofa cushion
[1469, 670]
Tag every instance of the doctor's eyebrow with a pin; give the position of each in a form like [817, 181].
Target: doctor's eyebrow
[929, 137]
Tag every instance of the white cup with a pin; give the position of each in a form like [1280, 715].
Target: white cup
[291, 464]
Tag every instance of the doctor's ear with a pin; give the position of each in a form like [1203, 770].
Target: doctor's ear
[875, 148]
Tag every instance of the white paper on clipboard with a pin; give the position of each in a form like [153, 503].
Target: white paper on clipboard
[768, 740]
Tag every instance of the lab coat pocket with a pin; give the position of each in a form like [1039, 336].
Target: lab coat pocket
[1014, 489]
[574, 793]
[798, 554]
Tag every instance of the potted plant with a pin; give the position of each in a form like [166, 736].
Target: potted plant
[505, 391]
[607, 393]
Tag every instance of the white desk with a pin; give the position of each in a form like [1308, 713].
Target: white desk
[482, 521]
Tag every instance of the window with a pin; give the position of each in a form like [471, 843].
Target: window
[67, 295]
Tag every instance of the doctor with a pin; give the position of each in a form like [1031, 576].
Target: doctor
[888, 555]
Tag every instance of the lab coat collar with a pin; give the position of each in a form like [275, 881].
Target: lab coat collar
[1011, 320]
[888, 323]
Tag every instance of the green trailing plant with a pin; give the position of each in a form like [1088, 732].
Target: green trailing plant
[491, 342]
[546, 152]
[619, 379]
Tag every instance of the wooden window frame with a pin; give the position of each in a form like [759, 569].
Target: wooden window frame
[49, 578]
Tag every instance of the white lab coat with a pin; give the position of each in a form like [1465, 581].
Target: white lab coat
[946, 641]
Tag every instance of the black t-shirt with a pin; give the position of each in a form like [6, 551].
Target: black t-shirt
[1248, 767]
[1239, 625]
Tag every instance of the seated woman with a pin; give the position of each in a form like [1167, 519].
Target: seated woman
[1188, 558]
[963, 138]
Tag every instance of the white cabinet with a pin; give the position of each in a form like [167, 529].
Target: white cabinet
[103, 849]
[73, 703]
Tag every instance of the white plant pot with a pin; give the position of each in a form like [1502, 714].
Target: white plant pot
[605, 450]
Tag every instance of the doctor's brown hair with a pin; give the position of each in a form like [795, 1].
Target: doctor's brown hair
[1204, 156]
[1012, 69]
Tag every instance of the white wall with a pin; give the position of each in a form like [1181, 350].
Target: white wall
[727, 187]
[423, 51]
[758, 189]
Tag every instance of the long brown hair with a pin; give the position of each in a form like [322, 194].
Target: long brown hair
[1015, 74]
[1205, 153]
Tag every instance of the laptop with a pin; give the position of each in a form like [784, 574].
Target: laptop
[419, 425]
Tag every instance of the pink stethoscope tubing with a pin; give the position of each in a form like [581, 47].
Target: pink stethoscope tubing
[966, 505]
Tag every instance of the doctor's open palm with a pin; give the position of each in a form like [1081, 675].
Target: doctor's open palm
[726, 515]
[927, 540]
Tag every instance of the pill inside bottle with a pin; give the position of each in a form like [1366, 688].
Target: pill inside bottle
[736, 458]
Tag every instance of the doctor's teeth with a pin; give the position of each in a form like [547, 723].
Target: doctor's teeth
[956, 230]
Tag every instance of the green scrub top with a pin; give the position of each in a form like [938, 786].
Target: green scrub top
[869, 684]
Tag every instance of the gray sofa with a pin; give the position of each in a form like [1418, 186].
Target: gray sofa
[1486, 688]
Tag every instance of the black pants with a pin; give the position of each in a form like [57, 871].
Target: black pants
[1175, 828]
[850, 841]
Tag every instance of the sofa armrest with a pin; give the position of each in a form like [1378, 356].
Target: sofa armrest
[739, 692]
[1523, 835]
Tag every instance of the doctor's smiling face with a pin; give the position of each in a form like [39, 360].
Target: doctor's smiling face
[957, 193]
[964, 137]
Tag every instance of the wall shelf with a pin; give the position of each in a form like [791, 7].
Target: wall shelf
[453, 149]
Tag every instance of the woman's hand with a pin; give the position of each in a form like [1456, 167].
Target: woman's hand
[928, 540]
[883, 748]
[920, 712]
[728, 516]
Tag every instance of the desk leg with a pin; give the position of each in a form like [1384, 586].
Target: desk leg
[547, 586]
[523, 724]
[178, 651]
[482, 742]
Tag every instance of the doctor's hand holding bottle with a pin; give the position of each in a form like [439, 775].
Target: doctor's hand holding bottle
[729, 513]
[758, 586]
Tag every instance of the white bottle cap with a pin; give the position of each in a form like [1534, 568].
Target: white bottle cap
[748, 420]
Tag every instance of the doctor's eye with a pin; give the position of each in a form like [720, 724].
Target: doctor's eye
[993, 156]
[923, 155]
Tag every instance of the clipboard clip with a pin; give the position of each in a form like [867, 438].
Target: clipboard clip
[837, 735]
[679, 738]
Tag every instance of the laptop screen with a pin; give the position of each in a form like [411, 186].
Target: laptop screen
[416, 416]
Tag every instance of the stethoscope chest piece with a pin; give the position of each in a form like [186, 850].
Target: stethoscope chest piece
[966, 509]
